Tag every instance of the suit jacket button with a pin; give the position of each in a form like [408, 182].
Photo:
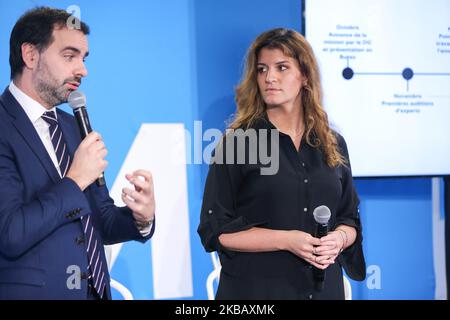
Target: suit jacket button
[79, 240]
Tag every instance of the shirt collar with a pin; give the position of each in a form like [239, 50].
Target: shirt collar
[32, 108]
[264, 123]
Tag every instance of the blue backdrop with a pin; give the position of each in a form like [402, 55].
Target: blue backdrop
[177, 61]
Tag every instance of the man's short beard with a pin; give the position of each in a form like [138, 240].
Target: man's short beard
[47, 86]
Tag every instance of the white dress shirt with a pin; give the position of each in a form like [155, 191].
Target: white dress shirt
[34, 111]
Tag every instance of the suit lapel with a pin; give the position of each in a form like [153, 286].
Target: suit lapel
[28, 133]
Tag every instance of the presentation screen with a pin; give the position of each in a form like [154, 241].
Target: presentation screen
[385, 67]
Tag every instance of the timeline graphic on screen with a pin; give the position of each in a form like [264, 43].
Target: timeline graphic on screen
[385, 67]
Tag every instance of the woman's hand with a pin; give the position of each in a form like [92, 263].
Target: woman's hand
[303, 245]
[330, 247]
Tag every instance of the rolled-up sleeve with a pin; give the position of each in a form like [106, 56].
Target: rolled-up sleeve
[352, 258]
[219, 213]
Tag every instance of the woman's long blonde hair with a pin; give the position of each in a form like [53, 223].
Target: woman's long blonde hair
[251, 106]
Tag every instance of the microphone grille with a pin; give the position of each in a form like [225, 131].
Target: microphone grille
[322, 214]
[76, 99]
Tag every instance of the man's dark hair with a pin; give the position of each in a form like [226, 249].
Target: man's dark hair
[36, 27]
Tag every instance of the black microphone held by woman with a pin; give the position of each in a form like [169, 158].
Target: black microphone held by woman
[321, 215]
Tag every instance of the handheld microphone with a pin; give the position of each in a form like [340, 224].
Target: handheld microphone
[321, 215]
[77, 101]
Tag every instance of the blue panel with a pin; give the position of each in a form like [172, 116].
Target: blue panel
[397, 221]
[133, 269]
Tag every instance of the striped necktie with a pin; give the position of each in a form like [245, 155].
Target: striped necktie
[95, 263]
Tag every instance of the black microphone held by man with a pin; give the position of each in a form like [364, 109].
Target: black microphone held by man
[77, 101]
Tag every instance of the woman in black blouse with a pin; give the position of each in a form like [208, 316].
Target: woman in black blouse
[262, 225]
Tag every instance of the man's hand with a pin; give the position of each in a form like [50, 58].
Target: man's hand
[88, 161]
[141, 200]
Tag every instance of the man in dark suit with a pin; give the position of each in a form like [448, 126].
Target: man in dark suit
[54, 218]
